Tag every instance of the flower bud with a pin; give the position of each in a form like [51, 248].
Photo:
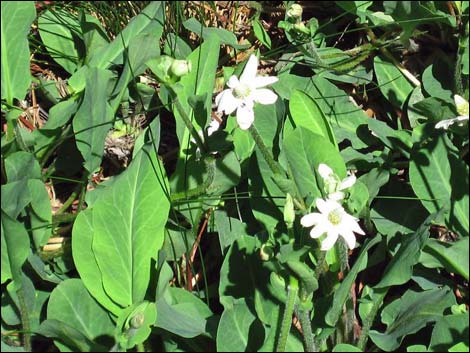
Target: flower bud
[289, 213]
[180, 68]
[266, 252]
[294, 12]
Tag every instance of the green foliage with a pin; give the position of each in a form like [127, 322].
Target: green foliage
[137, 215]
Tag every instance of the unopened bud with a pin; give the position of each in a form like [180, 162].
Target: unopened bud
[180, 68]
[289, 213]
[266, 252]
[294, 12]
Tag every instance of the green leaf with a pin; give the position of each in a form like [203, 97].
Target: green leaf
[452, 256]
[22, 165]
[17, 17]
[344, 347]
[138, 53]
[438, 81]
[40, 213]
[60, 114]
[400, 268]
[229, 229]
[261, 33]
[199, 82]
[306, 113]
[449, 330]
[71, 303]
[305, 151]
[393, 85]
[344, 117]
[93, 119]
[148, 21]
[235, 284]
[225, 36]
[67, 338]
[396, 140]
[60, 32]
[396, 195]
[342, 293]
[131, 240]
[15, 248]
[182, 313]
[239, 330]
[410, 313]
[439, 177]
[15, 197]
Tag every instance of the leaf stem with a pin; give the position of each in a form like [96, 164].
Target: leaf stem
[367, 324]
[292, 291]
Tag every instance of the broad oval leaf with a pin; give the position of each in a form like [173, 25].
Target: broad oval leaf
[128, 224]
[17, 17]
[60, 31]
[306, 113]
[440, 179]
[93, 119]
[15, 248]
[239, 330]
[305, 151]
[393, 85]
[71, 303]
[410, 313]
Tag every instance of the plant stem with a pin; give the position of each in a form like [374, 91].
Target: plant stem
[286, 323]
[24, 320]
[187, 121]
[367, 324]
[273, 165]
[305, 323]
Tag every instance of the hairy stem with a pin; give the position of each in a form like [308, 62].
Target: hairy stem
[24, 320]
[273, 165]
[305, 323]
[286, 323]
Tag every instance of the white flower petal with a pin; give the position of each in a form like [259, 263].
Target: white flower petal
[245, 116]
[263, 81]
[311, 219]
[264, 96]
[318, 231]
[233, 81]
[330, 241]
[326, 206]
[347, 182]
[249, 73]
[459, 100]
[324, 171]
[336, 196]
[350, 239]
[226, 102]
[213, 127]
[444, 124]
[350, 222]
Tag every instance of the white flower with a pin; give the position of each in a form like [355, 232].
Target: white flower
[462, 108]
[334, 221]
[333, 185]
[242, 94]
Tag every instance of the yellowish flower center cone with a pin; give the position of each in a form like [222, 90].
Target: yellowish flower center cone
[241, 91]
[335, 217]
